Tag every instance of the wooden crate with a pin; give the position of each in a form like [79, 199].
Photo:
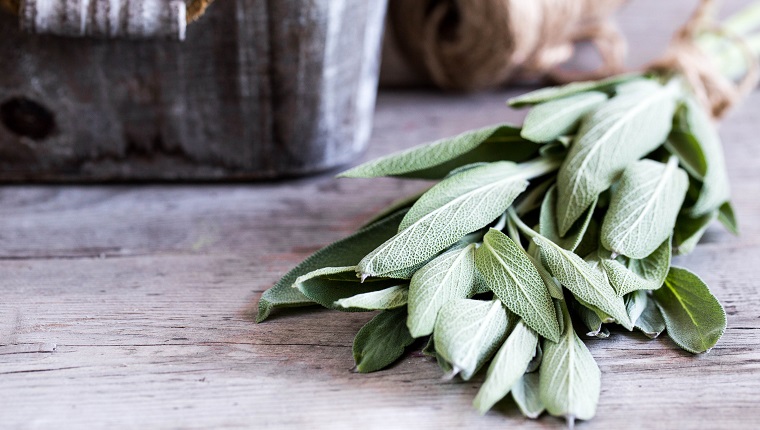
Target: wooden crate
[260, 89]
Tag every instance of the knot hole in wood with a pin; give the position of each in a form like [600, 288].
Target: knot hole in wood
[27, 118]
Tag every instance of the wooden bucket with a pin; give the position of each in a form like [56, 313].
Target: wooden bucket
[259, 89]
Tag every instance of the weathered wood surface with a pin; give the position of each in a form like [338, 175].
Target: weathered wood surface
[260, 88]
[132, 306]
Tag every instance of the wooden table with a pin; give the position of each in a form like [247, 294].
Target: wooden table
[132, 306]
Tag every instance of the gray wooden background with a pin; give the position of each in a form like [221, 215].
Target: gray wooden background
[132, 306]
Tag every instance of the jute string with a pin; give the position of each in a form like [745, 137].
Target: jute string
[195, 8]
[715, 91]
[469, 45]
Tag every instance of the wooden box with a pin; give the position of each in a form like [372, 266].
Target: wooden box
[259, 89]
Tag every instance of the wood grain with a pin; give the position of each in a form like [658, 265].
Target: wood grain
[132, 306]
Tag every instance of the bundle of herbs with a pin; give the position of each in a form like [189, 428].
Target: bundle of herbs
[535, 233]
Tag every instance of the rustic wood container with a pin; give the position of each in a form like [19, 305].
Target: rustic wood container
[259, 89]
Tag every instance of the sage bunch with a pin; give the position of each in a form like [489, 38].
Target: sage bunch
[573, 216]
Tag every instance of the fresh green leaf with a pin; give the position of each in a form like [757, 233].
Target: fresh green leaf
[444, 226]
[381, 341]
[458, 185]
[468, 332]
[549, 120]
[651, 322]
[635, 303]
[585, 282]
[548, 223]
[617, 133]
[689, 153]
[569, 379]
[688, 231]
[435, 160]
[526, 394]
[510, 274]
[328, 285]
[591, 320]
[345, 252]
[644, 208]
[509, 364]
[692, 119]
[628, 275]
[552, 285]
[727, 218]
[558, 92]
[449, 276]
[590, 241]
[388, 298]
[694, 318]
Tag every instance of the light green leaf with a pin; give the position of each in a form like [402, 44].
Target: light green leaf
[728, 219]
[692, 119]
[586, 283]
[345, 252]
[689, 153]
[569, 379]
[548, 224]
[510, 274]
[457, 185]
[688, 231]
[444, 226]
[558, 92]
[628, 275]
[591, 320]
[635, 303]
[328, 285]
[449, 276]
[435, 160]
[526, 394]
[388, 298]
[506, 368]
[549, 120]
[644, 208]
[552, 285]
[617, 133]
[468, 332]
[651, 322]
[381, 341]
[694, 318]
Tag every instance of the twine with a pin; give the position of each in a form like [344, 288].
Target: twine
[716, 92]
[195, 8]
[470, 45]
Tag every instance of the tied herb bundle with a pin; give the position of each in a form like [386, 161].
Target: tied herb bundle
[534, 233]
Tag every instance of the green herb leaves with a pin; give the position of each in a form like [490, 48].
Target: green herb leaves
[618, 132]
[694, 318]
[439, 264]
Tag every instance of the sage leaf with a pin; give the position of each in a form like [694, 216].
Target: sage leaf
[388, 298]
[507, 366]
[468, 332]
[693, 120]
[694, 318]
[591, 320]
[620, 131]
[552, 93]
[645, 274]
[444, 226]
[510, 274]
[689, 153]
[435, 160]
[549, 120]
[635, 303]
[569, 379]
[449, 276]
[526, 394]
[689, 230]
[585, 282]
[552, 285]
[345, 252]
[727, 218]
[644, 208]
[548, 224]
[381, 341]
[460, 184]
[651, 322]
[327, 286]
